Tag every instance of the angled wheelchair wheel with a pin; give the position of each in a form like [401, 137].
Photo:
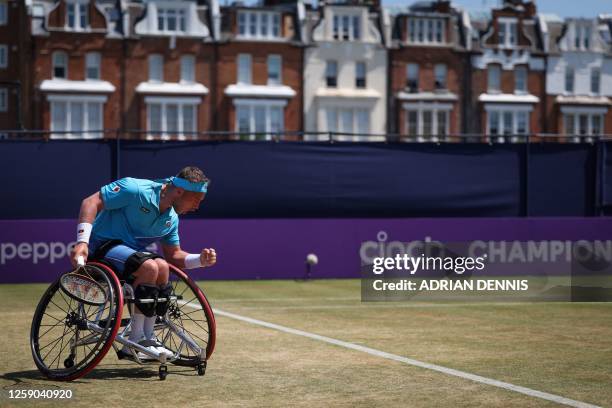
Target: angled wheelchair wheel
[189, 325]
[76, 322]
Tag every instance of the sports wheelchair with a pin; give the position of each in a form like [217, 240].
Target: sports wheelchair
[79, 318]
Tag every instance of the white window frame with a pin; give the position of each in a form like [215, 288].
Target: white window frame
[518, 71]
[4, 99]
[93, 60]
[572, 80]
[77, 4]
[188, 69]
[244, 69]
[181, 19]
[156, 68]
[54, 64]
[267, 25]
[82, 99]
[3, 12]
[354, 111]
[181, 102]
[577, 112]
[347, 26]
[328, 65]
[509, 27]
[592, 76]
[431, 30]
[444, 68]
[434, 108]
[490, 69]
[275, 60]
[365, 74]
[4, 56]
[251, 105]
[502, 111]
[408, 66]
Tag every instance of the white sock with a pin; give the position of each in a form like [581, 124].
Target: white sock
[149, 327]
[138, 320]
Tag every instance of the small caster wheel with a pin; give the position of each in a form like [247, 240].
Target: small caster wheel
[69, 362]
[202, 368]
[163, 372]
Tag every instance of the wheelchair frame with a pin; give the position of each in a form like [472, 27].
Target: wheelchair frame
[105, 326]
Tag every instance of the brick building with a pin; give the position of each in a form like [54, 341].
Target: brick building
[13, 65]
[427, 60]
[169, 68]
[509, 75]
[74, 68]
[259, 69]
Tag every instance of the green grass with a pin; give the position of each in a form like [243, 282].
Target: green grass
[561, 348]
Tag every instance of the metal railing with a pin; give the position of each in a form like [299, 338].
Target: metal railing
[299, 136]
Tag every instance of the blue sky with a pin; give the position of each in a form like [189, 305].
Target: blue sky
[563, 8]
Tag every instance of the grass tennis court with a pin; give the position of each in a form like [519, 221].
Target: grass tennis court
[559, 348]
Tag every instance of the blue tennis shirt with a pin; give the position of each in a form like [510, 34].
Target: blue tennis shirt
[131, 214]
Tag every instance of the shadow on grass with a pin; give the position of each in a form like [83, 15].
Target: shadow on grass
[119, 372]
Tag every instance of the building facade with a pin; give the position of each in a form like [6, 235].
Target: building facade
[185, 69]
[345, 72]
[259, 70]
[579, 78]
[509, 74]
[427, 67]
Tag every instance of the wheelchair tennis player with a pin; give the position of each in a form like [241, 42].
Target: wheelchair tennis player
[118, 223]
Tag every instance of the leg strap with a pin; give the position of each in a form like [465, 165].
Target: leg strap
[145, 298]
[164, 292]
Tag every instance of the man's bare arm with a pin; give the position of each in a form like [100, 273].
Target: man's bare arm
[176, 256]
[90, 207]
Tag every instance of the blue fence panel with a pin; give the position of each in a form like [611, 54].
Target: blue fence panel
[281, 180]
[562, 179]
[341, 180]
[50, 179]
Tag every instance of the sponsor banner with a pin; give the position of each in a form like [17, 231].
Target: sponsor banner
[37, 250]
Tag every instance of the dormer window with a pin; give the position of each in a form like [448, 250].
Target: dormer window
[582, 37]
[259, 24]
[347, 27]
[507, 32]
[77, 15]
[426, 31]
[171, 20]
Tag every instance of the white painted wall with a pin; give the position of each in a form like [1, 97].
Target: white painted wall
[370, 50]
[582, 62]
[346, 54]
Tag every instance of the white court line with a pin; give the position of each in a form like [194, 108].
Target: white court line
[288, 299]
[445, 370]
[378, 305]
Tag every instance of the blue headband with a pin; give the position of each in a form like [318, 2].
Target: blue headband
[190, 185]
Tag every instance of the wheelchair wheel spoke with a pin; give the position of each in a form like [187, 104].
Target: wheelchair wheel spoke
[48, 330]
[197, 324]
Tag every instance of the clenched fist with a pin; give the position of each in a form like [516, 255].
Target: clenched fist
[208, 257]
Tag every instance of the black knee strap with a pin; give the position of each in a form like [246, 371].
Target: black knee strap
[134, 261]
[164, 292]
[145, 298]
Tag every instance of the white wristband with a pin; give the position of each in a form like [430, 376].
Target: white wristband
[83, 232]
[192, 261]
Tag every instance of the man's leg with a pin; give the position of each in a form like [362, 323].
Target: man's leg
[145, 286]
[165, 290]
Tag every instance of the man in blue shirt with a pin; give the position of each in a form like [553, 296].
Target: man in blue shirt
[117, 223]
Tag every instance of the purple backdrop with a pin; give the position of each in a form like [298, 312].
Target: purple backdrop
[35, 250]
